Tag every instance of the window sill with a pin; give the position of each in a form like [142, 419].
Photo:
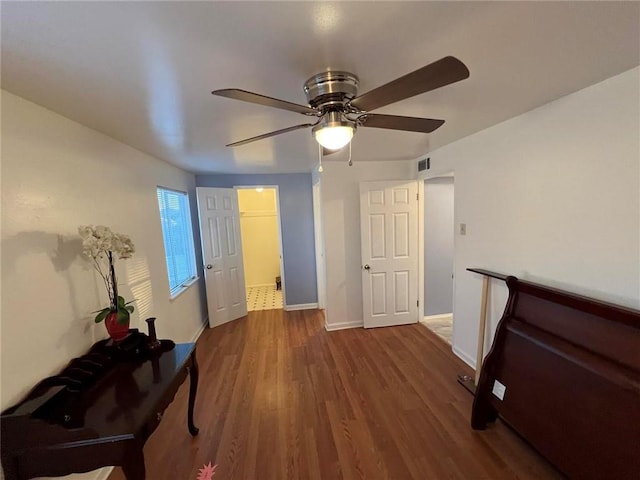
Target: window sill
[183, 288]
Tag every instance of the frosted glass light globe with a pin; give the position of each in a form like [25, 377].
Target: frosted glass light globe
[334, 138]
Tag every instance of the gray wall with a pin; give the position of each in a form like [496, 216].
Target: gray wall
[438, 246]
[296, 212]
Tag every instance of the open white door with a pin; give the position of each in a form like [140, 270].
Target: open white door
[222, 254]
[389, 235]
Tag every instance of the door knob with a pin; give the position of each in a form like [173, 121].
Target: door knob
[209, 266]
[366, 267]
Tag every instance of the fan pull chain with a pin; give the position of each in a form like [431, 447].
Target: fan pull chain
[350, 162]
[320, 169]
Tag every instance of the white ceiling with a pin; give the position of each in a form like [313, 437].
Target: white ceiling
[142, 72]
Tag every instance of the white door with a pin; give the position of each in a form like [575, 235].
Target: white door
[389, 235]
[222, 254]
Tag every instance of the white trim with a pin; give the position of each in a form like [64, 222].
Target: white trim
[300, 306]
[272, 284]
[196, 335]
[344, 325]
[421, 249]
[465, 357]
[183, 288]
[318, 231]
[442, 316]
[427, 175]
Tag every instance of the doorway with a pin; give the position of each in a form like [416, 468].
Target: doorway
[261, 247]
[438, 256]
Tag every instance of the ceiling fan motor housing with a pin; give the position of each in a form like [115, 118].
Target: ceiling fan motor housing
[331, 90]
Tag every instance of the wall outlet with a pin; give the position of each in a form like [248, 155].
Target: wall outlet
[499, 389]
[463, 229]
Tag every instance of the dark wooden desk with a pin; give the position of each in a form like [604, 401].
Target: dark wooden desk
[106, 424]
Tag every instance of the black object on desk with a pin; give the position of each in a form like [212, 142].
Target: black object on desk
[99, 411]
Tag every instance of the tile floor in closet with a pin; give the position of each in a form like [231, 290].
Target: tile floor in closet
[263, 298]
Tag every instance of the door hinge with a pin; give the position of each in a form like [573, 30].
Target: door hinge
[417, 196]
[417, 303]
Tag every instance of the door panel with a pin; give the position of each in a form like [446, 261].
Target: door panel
[214, 249]
[389, 229]
[400, 235]
[222, 254]
[376, 236]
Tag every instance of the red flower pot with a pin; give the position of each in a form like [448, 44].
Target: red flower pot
[117, 331]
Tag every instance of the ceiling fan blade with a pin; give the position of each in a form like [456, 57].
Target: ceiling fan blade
[251, 97]
[270, 134]
[443, 72]
[395, 122]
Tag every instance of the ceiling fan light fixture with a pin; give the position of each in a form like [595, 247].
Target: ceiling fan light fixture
[334, 138]
[333, 132]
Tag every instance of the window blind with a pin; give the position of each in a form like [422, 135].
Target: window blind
[177, 234]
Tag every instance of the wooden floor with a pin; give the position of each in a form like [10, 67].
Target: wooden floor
[281, 398]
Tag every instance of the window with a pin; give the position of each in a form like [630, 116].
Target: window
[177, 234]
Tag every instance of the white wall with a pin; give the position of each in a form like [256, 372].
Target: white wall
[552, 196]
[341, 218]
[56, 175]
[260, 243]
[438, 246]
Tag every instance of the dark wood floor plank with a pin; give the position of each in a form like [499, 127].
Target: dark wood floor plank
[282, 398]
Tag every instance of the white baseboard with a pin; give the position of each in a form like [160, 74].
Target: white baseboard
[271, 284]
[465, 357]
[330, 327]
[441, 316]
[196, 335]
[301, 306]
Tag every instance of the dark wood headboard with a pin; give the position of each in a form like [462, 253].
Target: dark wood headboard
[570, 367]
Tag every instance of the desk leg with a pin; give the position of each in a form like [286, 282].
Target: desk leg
[133, 464]
[193, 389]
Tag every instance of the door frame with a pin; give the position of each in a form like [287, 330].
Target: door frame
[318, 228]
[279, 224]
[421, 179]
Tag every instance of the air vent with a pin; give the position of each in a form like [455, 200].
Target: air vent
[424, 164]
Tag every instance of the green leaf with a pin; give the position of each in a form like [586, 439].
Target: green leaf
[129, 308]
[102, 315]
[123, 316]
[121, 303]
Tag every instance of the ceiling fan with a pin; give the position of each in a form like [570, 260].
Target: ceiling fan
[332, 97]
